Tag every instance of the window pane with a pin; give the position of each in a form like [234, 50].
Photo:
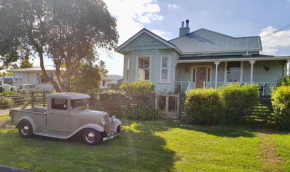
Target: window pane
[233, 71]
[164, 75]
[143, 68]
[59, 104]
[165, 61]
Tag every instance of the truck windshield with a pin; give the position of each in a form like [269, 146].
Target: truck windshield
[79, 102]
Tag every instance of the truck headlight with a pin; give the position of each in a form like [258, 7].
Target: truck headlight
[103, 121]
[113, 118]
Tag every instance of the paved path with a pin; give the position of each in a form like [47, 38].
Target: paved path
[11, 169]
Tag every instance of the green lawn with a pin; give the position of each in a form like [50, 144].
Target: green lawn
[146, 146]
[282, 142]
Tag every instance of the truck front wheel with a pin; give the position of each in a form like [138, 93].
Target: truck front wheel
[92, 137]
[25, 129]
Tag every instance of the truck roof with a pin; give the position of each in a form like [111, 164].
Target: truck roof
[65, 95]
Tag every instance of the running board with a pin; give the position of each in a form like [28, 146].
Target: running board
[112, 137]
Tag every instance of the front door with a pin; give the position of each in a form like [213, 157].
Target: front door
[200, 78]
[58, 116]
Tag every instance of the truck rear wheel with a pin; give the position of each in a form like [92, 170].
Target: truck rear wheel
[92, 137]
[25, 129]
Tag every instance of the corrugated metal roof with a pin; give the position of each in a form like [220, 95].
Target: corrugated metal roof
[206, 41]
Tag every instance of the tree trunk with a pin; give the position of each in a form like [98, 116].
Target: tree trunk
[44, 74]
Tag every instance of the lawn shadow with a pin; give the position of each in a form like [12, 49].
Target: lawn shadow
[138, 149]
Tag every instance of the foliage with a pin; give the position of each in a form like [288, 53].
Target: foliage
[7, 74]
[67, 31]
[239, 100]
[204, 106]
[8, 93]
[140, 112]
[111, 101]
[103, 68]
[138, 90]
[25, 63]
[281, 106]
[283, 81]
[86, 78]
[6, 103]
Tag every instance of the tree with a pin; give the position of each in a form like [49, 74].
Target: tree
[103, 68]
[25, 62]
[67, 31]
[86, 78]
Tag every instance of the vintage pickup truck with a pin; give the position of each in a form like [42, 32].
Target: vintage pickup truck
[66, 114]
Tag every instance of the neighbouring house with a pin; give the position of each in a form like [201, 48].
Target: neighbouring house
[32, 76]
[200, 59]
[110, 81]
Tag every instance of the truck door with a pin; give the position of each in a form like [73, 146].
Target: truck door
[58, 117]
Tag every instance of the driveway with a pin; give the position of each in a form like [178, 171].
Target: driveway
[11, 169]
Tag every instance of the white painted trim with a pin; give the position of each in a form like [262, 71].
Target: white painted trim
[222, 51]
[150, 66]
[168, 77]
[150, 34]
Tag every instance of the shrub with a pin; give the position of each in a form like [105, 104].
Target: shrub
[8, 93]
[284, 81]
[138, 90]
[239, 100]
[140, 112]
[203, 106]
[110, 101]
[6, 103]
[281, 107]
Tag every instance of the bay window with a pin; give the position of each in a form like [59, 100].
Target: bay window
[143, 68]
[164, 69]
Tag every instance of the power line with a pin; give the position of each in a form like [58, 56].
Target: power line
[260, 30]
[276, 31]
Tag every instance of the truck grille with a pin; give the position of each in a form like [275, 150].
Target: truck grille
[108, 124]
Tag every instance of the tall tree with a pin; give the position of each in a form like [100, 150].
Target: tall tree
[67, 31]
[103, 68]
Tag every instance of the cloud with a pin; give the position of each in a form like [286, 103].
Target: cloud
[132, 15]
[273, 42]
[161, 33]
[173, 6]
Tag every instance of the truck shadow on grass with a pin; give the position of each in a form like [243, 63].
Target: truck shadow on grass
[138, 149]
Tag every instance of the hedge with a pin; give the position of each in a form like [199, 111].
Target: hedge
[6, 103]
[281, 107]
[204, 107]
[239, 100]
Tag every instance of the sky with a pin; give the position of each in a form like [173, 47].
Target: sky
[231, 17]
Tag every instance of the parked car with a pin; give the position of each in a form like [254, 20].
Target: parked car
[66, 115]
[8, 87]
[27, 87]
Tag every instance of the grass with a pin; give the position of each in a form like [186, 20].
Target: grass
[4, 117]
[282, 142]
[145, 146]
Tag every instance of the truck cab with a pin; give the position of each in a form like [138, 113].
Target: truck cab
[66, 115]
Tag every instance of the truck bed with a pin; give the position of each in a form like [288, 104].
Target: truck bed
[36, 114]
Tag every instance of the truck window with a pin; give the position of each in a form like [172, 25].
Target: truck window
[59, 104]
[79, 102]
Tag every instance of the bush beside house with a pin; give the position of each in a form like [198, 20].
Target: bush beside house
[204, 107]
[281, 106]
[239, 101]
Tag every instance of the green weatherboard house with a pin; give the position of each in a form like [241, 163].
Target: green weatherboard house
[200, 59]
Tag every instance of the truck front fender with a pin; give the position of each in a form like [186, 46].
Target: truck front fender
[92, 126]
[115, 124]
[29, 119]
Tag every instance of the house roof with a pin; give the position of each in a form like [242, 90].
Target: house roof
[33, 69]
[191, 59]
[207, 41]
[66, 95]
[112, 77]
[169, 44]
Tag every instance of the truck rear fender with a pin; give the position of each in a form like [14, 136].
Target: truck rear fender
[30, 120]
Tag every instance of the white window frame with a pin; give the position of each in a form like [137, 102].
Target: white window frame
[18, 74]
[241, 74]
[128, 69]
[168, 69]
[137, 67]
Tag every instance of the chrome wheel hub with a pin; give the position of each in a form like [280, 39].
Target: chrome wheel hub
[25, 129]
[91, 136]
